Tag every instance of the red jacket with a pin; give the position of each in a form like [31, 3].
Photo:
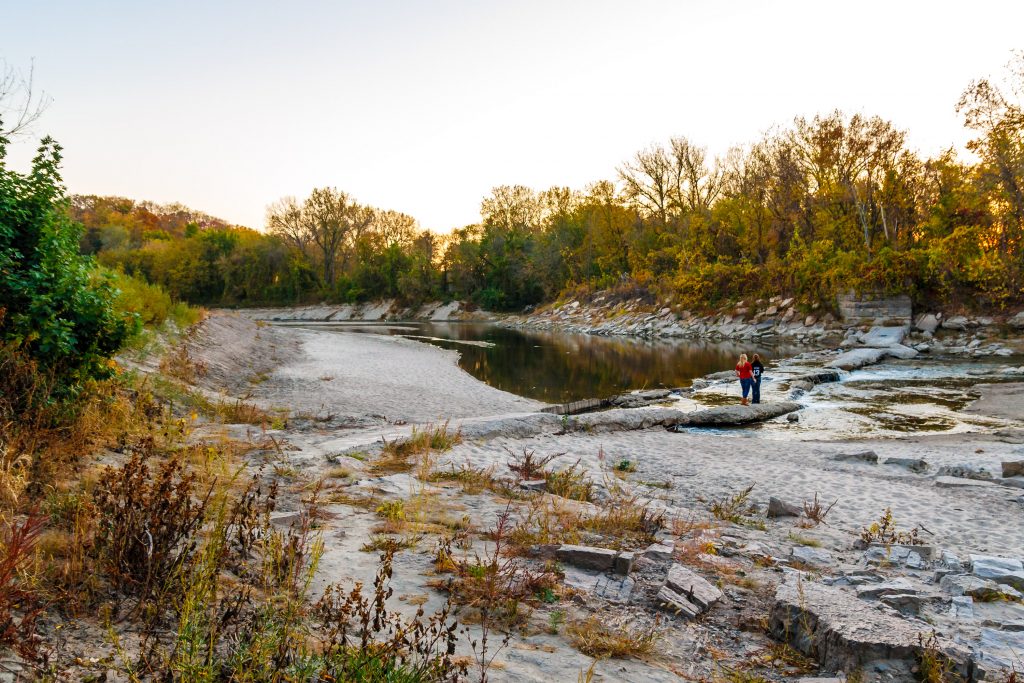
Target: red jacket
[745, 370]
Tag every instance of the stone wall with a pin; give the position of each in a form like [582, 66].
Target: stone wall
[894, 310]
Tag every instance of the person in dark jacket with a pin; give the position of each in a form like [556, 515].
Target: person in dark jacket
[757, 370]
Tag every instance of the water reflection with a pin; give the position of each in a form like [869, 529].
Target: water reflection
[556, 367]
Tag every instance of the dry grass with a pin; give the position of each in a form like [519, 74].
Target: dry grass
[734, 508]
[530, 466]
[815, 511]
[415, 452]
[595, 638]
[472, 480]
[571, 482]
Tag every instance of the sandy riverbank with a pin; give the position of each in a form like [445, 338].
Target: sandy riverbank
[366, 386]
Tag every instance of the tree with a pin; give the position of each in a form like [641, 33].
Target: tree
[649, 182]
[20, 106]
[999, 119]
[394, 227]
[328, 221]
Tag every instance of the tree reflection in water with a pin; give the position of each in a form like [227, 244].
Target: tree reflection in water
[556, 367]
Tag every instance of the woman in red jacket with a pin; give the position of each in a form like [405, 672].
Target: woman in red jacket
[745, 371]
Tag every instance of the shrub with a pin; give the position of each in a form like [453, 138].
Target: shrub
[19, 605]
[148, 527]
[59, 308]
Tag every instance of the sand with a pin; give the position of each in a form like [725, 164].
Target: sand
[385, 384]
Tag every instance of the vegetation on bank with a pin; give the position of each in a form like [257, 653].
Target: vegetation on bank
[824, 205]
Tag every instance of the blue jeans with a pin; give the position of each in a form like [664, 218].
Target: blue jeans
[745, 384]
[755, 390]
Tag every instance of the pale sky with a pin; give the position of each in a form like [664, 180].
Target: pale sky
[422, 107]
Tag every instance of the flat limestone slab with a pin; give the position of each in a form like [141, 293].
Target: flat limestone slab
[841, 631]
[958, 482]
[694, 587]
[733, 416]
[857, 358]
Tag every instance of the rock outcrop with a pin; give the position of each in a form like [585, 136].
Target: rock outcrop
[841, 631]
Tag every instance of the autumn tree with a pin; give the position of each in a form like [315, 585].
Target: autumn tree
[998, 116]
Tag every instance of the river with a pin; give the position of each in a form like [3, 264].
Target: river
[556, 367]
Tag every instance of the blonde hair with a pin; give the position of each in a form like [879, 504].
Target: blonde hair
[743, 358]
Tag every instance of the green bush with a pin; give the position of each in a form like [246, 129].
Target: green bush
[56, 306]
[151, 303]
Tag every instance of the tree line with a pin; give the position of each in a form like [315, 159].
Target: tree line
[826, 204]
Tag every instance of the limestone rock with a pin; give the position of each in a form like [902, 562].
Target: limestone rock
[587, 557]
[913, 556]
[840, 630]
[898, 585]
[883, 337]
[729, 416]
[927, 322]
[869, 457]
[1013, 468]
[669, 600]
[816, 557]
[692, 586]
[965, 471]
[779, 508]
[857, 358]
[916, 465]
[999, 650]
[660, 551]
[1007, 570]
[901, 352]
[1017, 321]
[957, 322]
[957, 482]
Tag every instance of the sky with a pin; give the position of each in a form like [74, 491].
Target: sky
[423, 107]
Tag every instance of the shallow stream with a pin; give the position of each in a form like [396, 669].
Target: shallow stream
[927, 394]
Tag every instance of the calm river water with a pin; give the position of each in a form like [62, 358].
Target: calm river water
[555, 367]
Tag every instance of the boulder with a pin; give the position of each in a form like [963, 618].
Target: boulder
[660, 551]
[669, 600]
[1013, 468]
[779, 508]
[1005, 570]
[1017, 321]
[965, 471]
[957, 322]
[869, 457]
[857, 358]
[692, 586]
[587, 557]
[912, 556]
[793, 417]
[840, 631]
[883, 337]
[927, 322]
[818, 377]
[974, 586]
[916, 465]
[894, 587]
[815, 557]
[901, 352]
[998, 651]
